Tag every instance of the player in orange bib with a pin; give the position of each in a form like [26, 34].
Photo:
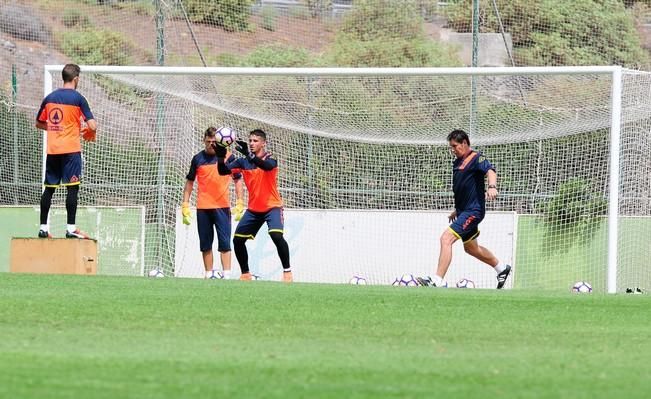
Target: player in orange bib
[60, 114]
[213, 204]
[260, 172]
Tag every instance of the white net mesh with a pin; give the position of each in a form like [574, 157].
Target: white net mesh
[522, 122]
[378, 143]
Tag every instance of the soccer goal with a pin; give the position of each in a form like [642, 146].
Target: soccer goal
[570, 145]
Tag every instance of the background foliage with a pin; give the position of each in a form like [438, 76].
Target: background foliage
[559, 32]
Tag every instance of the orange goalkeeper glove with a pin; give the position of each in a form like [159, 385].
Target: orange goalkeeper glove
[238, 211]
[185, 211]
[87, 134]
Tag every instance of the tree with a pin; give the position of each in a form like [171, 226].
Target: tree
[387, 33]
[559, 32]
[232, 15]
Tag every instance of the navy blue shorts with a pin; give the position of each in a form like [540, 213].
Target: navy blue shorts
[220, 219]
[62, 169]
[252, 221]
[466, 225]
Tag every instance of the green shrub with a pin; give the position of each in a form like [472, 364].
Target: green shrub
[232, 15]
[226, 60]
[382, 19]
[574, 213]
[278, 56]
[318, 8]
[380, 52]
[269, 18]
[72, 17]
[560, 32]
[384, 33]
[97, 47]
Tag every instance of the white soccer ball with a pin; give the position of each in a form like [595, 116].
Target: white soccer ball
[465, 283]
[225, 136]
[582, 286]
[406, 280]
[156, 273]
[357, 280]
[215, 275]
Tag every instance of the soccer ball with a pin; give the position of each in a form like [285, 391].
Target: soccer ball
[465, 283]
[406, 280]
[214, 275]
[582, 286]
[225, 136]
[357, 280]
[156, 273]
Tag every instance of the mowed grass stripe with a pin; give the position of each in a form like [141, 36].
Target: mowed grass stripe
[107, 337]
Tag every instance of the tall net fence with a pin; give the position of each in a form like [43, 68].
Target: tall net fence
[377, 142]
[349, 142]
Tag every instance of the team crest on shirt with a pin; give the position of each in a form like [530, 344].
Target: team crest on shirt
[56, 116]
[481, 159]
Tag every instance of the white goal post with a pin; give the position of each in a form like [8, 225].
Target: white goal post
[339, 131]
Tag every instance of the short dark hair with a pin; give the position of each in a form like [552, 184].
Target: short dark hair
[459, 136]
[210, 132]
[70, 71]
[258, 132]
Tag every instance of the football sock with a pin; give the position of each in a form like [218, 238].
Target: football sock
[437, 280]
[46, 201]
[71, 228]
[500, 267]
[239, 244]
[227, 274]
[44, 227]
[282, 247]
[71, 204]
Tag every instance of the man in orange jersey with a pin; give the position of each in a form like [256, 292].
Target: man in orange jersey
[60, 114]
[213, 204]
[260, 172]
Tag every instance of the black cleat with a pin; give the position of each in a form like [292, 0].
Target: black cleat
[44, 234]
[501, 277]
[425, 281]
[77, 234]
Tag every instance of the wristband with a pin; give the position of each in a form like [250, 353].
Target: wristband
[492, 186]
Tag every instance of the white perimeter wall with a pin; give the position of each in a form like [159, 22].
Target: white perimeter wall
[330, 246]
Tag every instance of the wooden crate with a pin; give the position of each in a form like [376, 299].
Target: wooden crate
[53, 255]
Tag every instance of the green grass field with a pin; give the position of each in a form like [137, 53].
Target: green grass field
[130, 337]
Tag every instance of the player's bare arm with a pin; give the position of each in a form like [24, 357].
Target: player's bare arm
[491, 192]
[92, 124]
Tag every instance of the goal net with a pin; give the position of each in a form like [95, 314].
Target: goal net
[569, 144]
